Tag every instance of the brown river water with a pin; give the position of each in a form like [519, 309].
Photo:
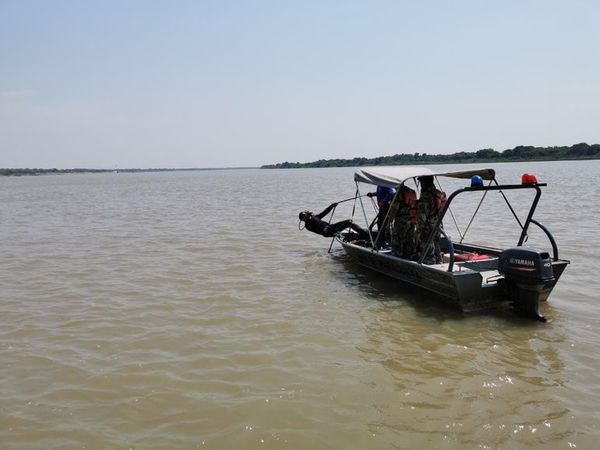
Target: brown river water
[187, 310]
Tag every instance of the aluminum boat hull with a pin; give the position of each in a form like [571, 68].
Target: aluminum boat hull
[465, 288]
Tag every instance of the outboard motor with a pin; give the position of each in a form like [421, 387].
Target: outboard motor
[526, 271]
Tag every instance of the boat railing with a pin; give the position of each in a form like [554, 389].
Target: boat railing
[450, 250]
[438, 225]
[550, 238]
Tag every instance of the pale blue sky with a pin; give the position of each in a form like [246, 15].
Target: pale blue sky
[226, 83]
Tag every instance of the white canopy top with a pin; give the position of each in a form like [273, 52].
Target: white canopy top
[393, 176]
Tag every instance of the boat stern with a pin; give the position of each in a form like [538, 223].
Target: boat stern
[528, 278]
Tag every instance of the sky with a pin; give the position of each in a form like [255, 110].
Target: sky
[179, 84]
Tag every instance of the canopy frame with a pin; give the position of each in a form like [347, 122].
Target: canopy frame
[396, 177]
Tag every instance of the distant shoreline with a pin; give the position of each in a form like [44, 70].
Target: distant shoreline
[25, 172]
[520, 153]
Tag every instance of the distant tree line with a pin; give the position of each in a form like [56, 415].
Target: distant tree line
[519, 153]
[47, 171]
[18, 172]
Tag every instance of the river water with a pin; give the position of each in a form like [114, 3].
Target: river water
[187, 310]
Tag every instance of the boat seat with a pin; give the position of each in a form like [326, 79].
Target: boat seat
[462, 257]
[481, 265]
[473, 256]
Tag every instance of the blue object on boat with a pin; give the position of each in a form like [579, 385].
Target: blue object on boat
[476, 181]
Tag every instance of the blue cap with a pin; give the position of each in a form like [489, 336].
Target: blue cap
[476, 181]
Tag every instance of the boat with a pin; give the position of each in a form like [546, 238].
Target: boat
[468, 276]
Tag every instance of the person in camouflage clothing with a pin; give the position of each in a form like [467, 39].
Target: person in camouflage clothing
[430, 204]
[403, 211]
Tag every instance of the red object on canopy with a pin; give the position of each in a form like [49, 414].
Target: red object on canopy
[528, 178]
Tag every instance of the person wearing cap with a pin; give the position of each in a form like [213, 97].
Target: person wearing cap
[384, 197]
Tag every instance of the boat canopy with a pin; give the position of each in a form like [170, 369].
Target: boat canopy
[393, 176]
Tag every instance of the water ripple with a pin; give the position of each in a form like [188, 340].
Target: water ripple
[150, 311]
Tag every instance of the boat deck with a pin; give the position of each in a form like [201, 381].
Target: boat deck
[489, 274]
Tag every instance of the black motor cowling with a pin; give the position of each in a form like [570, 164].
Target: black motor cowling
[526, 265]
[526, 271]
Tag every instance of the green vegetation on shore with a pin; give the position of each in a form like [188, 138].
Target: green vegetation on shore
[519, 153]
[486, 155]
[18, 172]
